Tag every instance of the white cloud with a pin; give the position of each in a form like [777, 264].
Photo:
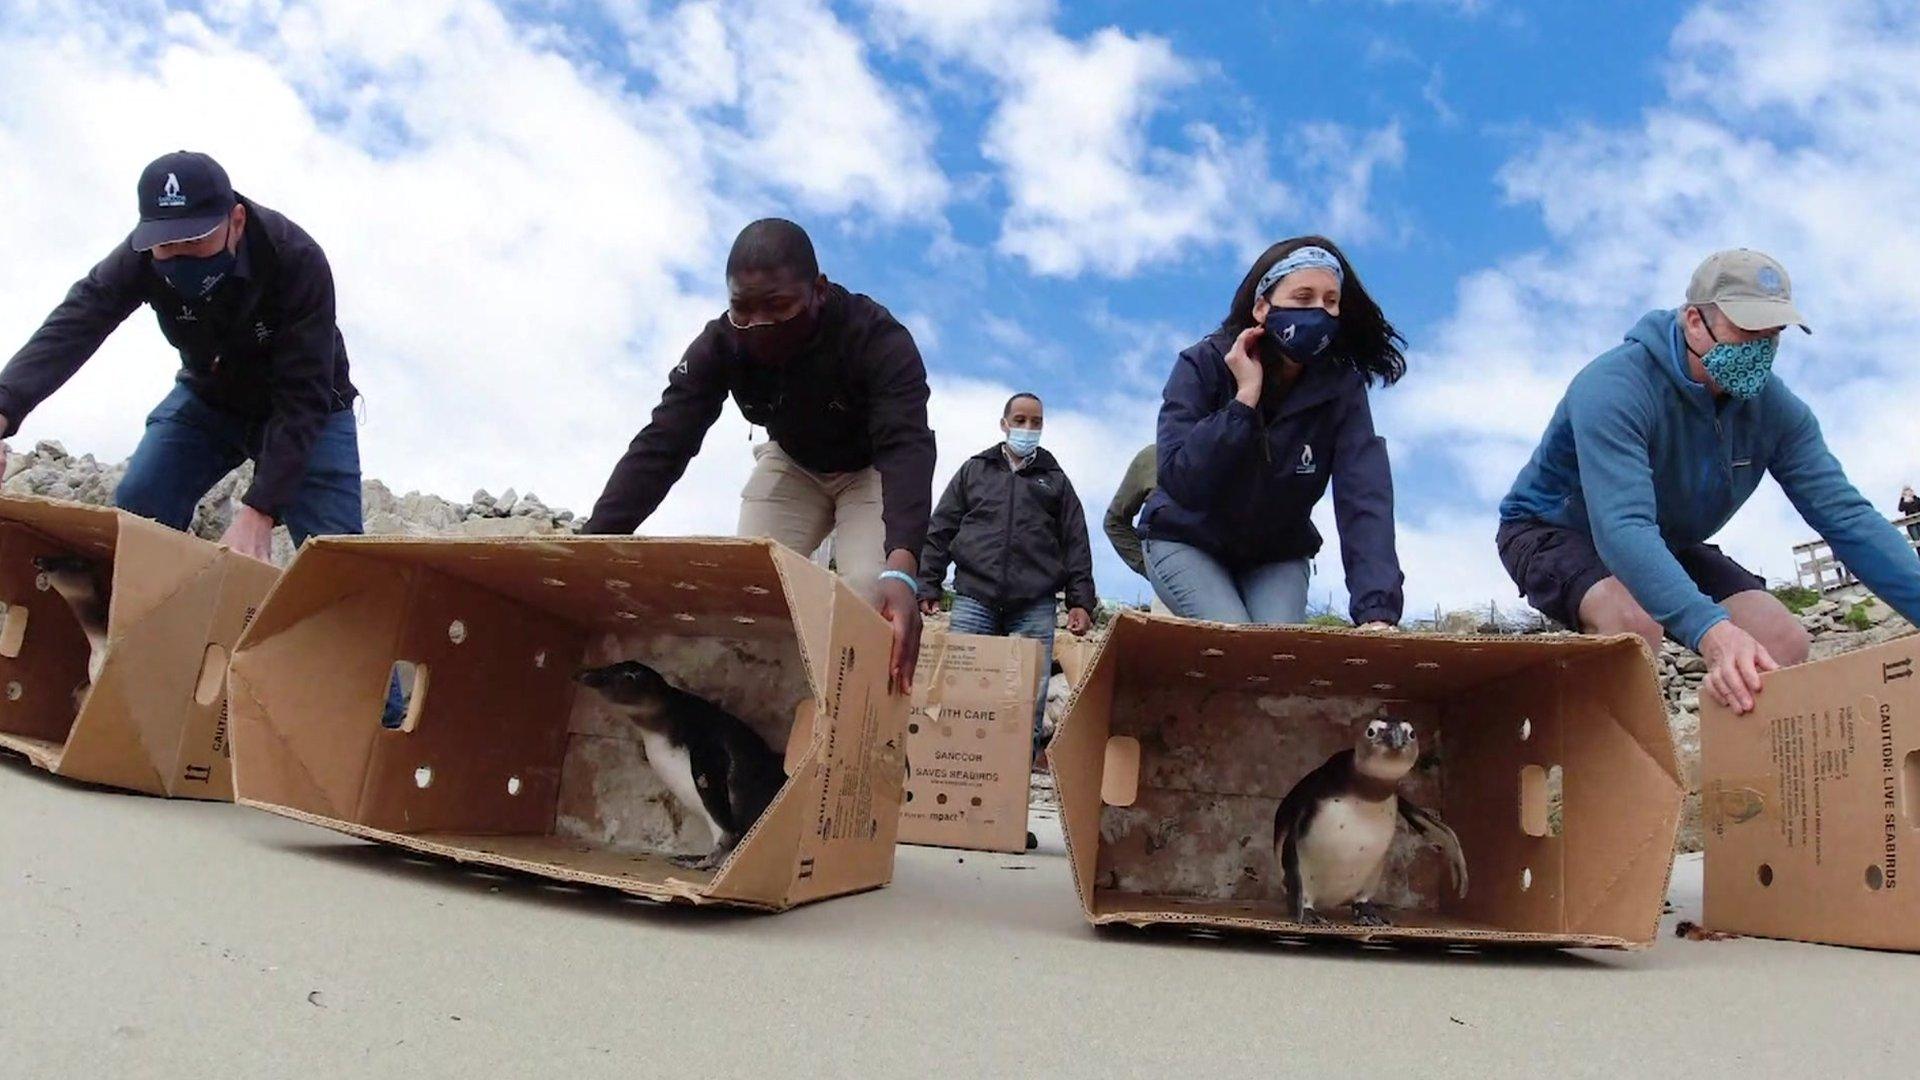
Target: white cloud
[1788, 128]
[1088, 189]
[1344, 161]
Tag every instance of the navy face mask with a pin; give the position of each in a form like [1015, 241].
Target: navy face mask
[1302, 335]
[195, 277]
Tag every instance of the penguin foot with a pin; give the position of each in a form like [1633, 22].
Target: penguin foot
[1310, 917]
[1366, 914]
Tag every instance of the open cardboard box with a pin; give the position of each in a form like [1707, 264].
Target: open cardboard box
[156, 720]
[970, 742]
[505, 761]
[1811, 803]
[1183, 738]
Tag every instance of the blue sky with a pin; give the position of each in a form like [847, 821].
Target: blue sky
[526, 205]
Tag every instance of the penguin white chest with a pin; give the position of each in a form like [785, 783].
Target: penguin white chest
[1344, 850]
[675, 769]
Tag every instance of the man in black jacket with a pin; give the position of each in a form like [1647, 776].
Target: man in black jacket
[246, 296]
[840, 388]
[1016, 535]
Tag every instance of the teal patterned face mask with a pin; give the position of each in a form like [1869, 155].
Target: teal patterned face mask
[1741, 368]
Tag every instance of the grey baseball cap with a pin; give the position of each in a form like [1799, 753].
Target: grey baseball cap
[1749, 287]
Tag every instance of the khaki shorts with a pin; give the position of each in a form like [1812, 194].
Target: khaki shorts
[801, 509]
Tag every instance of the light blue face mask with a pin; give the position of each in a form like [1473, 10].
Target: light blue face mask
[1741, 368]
[1024, 441]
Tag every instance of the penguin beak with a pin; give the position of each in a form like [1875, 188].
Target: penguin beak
[1398, 738]
[591, 677]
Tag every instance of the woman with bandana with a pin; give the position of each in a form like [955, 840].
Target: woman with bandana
[1257, 419]
[1656, 444]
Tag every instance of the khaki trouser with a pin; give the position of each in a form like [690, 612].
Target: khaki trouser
[800, 509]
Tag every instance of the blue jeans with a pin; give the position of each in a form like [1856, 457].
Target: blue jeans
[189, 445]
[1033, 620]
[1194, 585]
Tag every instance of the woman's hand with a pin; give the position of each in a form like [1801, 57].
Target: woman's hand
[1246, 367]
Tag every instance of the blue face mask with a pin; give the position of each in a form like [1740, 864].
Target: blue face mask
[195, 277]
[1024, 441]
[1302, 335]
[1741, 368]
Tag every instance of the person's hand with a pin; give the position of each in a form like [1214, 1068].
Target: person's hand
[1376, 626]
[929, 607]
[1735, 662]
[1079, 622]
[1248, 374]
[251, 533]
[900, 605]
[4, 425]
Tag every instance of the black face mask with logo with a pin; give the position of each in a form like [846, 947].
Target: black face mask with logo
[196, 277]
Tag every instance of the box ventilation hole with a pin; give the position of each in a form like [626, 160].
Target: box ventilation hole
[703, 565]
[1766, 876]
[1875, 877]
[213, 676]
[1355, 661]
[423, 776]
[553, 581]
[745, 620]
[687, 586]
[1196, 674]
[1426, 665]
[1284, 657]
[457, 632]
[42, 583]
[412, 678]
[540, 659]
[1383, 687]
[941, 798]
[1213, 652]
[1321, 683]
[14, 691]
[1911, 775]
[630, 616]
[683, 616]
[1541, 800]
[753, 590]
[1526, 878]
[513, 785]
[13, 632]
[1526, 730]
[616, 583]
[1258, 680]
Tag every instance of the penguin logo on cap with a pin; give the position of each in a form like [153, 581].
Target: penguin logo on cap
[170, 193]
[1769, 281]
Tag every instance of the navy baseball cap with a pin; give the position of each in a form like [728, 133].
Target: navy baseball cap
[183, 196]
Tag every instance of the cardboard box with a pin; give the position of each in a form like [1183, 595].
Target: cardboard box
[970, 742]
[1074, 654]
[505, 761]
[1184, 737]
[156, 719]
[1811, 803]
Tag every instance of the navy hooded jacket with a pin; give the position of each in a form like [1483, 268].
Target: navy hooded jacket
[1243, 489]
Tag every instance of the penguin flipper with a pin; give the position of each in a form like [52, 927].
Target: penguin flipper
[1428, 825]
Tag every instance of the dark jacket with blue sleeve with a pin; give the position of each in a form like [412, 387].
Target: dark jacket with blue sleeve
[1242, 486]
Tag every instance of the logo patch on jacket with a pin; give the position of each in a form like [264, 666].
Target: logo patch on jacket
[1306, 467]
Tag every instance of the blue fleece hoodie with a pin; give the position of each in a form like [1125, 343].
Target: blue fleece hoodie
[1643, 459]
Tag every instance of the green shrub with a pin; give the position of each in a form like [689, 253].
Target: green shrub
[1797, 598]
[1857, 617]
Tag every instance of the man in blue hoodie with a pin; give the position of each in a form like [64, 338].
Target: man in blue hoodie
[1655, 446]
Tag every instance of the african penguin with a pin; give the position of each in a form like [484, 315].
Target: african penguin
[715, 765]
[74, 579]
[1333, 830]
